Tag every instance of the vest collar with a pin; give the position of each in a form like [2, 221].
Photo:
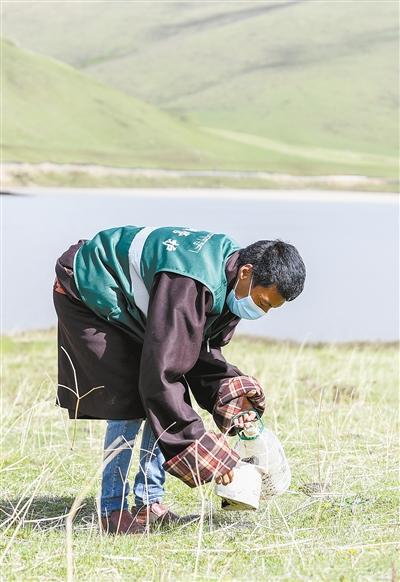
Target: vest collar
[231, 270]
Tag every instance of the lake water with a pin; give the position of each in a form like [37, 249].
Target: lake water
[349, 243]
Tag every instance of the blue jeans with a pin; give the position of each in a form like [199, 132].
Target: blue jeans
[149, 481]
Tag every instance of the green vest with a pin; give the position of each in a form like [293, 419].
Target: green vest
[114, 271]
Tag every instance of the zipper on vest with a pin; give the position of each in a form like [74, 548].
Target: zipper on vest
[208, 341]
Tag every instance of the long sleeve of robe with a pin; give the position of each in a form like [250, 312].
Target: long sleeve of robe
[175, 356]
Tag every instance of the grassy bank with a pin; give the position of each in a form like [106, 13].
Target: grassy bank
[335, 409]
[86, 181]
[70, 177]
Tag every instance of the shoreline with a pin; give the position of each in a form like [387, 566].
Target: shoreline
[287, 195]
[49, 174]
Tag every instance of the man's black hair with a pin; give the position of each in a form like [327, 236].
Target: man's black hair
[275, 263]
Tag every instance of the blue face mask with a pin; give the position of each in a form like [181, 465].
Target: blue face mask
[244, 308]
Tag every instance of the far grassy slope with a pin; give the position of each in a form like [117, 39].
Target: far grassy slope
[55, 113]
[301, 75]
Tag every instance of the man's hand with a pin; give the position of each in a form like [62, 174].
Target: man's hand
[244, 420]
[225, 479]
[241, 422]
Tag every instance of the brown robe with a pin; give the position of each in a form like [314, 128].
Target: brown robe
[109, 372]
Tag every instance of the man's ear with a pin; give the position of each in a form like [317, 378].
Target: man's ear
[245, 271]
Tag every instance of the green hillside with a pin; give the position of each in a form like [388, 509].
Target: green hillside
[306, 77]
[55, 113]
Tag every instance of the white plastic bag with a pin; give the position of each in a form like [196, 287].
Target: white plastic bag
[266, 451]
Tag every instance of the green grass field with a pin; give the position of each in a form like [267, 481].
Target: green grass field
[53, 112]
[334, 407]
[297, 87]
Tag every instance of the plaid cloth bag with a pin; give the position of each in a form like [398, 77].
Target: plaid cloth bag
[230, 401]
[210, 456]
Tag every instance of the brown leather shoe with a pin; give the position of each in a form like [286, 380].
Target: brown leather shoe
[121, 522]
[158, 514]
